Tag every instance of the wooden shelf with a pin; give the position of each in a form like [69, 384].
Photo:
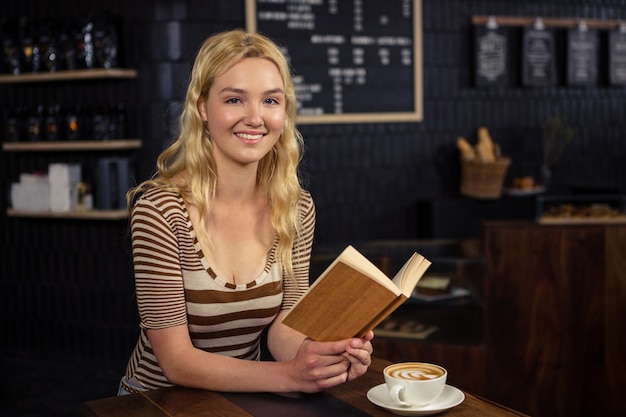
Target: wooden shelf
[560, 22]
[78, 145]
[77, 215]
[87, 74]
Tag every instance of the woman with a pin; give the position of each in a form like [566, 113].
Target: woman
[222, 237]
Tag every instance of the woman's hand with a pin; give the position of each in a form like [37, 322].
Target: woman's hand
[314, 366]
[321, 365]
[359, 354]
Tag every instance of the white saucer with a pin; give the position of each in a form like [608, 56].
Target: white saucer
[450, 397]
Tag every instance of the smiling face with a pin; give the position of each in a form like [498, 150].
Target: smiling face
[245, 110]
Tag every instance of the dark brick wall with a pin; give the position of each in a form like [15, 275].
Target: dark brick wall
[367, 178]
[68, 285]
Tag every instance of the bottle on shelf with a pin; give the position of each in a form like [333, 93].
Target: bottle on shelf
[11, 57]
[120, 121]
[15, 125]
[85, 58]
[73, 123]
[35, 124]
[66, 42]
[48, 50]
[101, 124]
[52, 123]
[29, 48]
[106, 48]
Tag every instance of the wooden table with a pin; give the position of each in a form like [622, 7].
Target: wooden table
[346, 400]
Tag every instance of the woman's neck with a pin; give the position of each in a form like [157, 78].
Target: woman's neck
[236, 187]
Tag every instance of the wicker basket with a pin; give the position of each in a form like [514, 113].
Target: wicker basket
[483, 180]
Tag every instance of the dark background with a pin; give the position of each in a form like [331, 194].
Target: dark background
[66, 286]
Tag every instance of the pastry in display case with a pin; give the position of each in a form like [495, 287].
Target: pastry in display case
[581, 209]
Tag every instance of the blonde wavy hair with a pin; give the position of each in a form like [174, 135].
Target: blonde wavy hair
[192, 152]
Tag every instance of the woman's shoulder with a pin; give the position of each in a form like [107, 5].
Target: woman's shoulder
[306, 204]
[156, 194]
[161, 198]
[306, 199]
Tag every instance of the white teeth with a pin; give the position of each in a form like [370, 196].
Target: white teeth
[249, 136]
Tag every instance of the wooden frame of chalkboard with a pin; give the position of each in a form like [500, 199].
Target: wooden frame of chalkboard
[362, 65]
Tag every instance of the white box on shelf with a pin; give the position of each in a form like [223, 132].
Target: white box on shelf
[63, 179]
[31, 193]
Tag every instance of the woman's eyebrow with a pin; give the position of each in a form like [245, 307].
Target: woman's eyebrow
[242, 91]
[275, 91]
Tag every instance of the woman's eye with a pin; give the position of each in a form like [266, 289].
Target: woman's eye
[233, 100]
[271, 101]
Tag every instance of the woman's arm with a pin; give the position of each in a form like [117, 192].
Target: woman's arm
[313, 367]
[283, 342]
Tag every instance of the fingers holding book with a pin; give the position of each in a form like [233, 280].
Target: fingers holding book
[359, 354]
[321, 365]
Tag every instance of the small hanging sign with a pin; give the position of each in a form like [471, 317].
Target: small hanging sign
[538, 60]
[617, 56]
[491, 55]
[582, 56]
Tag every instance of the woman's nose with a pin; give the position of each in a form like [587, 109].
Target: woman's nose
[253, 116]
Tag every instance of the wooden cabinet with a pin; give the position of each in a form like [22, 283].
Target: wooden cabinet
[555, 306]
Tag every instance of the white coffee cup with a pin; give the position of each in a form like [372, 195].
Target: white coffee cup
[414, 384]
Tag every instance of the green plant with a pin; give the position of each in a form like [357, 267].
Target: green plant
[557, 134]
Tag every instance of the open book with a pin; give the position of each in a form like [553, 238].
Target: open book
[352, 296]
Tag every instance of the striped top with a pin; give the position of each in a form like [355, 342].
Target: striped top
[175, 285]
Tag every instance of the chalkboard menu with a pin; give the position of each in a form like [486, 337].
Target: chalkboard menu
[539, 62]
[352, 61]
[491, 56]
[617, 57]
[582, 53]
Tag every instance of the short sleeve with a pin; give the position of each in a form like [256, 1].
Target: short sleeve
[156, 262]
[294, 288]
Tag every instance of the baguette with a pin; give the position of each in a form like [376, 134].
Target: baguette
[467, 152]
[485, 146]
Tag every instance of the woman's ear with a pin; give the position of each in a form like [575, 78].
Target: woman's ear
[200, 105]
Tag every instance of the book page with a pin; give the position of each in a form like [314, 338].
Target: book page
[411, 272]
[354, 258]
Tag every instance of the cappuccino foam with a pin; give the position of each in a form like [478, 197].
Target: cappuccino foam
[415, 371]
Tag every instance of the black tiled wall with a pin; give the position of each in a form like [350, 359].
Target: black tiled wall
[67, 286]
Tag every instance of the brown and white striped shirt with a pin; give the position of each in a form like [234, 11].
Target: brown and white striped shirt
[175, 285]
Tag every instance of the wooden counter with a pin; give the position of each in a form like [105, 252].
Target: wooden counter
[349, 399]
[555, 307]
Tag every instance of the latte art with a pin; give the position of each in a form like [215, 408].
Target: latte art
[415, 372]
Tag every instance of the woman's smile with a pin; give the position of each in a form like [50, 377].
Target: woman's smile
[250, 137]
